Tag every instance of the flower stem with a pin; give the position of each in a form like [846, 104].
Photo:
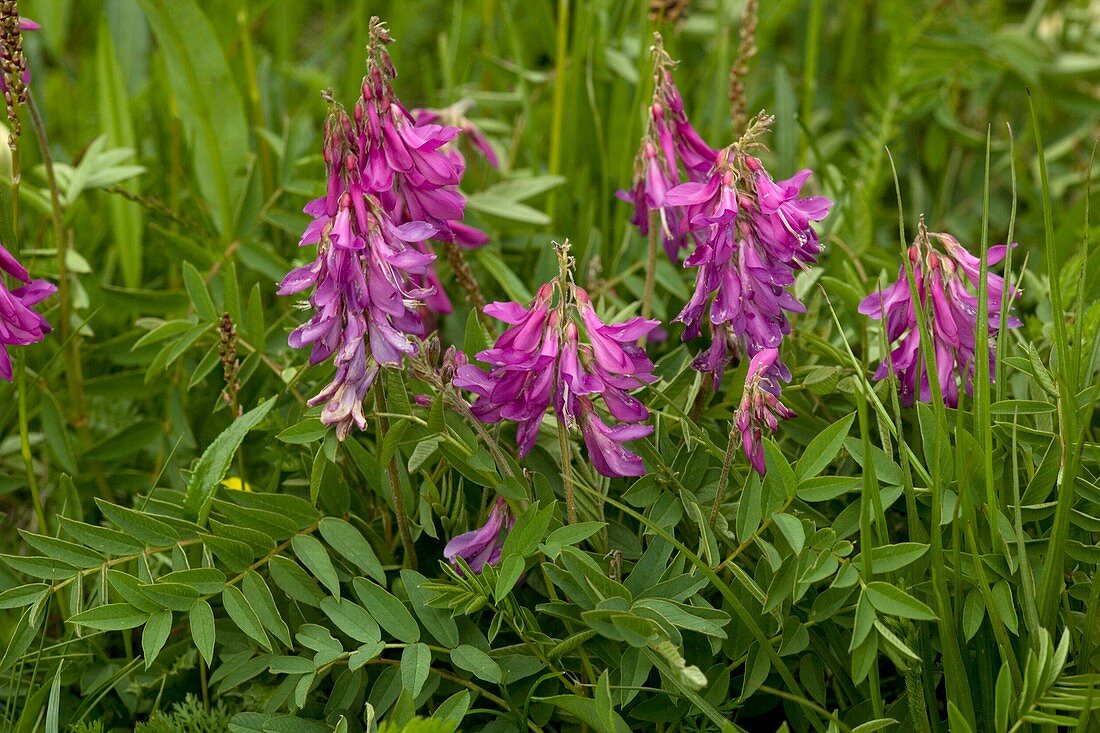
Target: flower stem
[467, 282]
[73, 368]
[567, 474]
[395, 481]
[724, 477]
[651, 263]
[25, 442]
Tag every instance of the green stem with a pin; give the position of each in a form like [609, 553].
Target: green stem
[567, 474]
[651, 263]
[395, 482]
[724, 477]
[25, 441]
[73, 366]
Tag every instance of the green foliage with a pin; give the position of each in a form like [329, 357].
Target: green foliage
[202, 536]
[188, 716]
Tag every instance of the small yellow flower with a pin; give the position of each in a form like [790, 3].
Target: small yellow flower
[235, 484]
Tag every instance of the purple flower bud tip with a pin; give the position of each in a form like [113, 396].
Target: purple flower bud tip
[946, 283]
[482, 546]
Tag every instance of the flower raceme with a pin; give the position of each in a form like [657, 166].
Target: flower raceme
[482, 546]
[20, 325]
[391, 188]
[542, 360]
[946, 279]
[670, 151]
[753, 235]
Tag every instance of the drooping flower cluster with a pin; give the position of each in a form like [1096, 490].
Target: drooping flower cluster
[753, 235]
[391, 188]
[760, 406]
[946, 282]
[671, 151]
[482, 546]
[542, 360]
[20, 325]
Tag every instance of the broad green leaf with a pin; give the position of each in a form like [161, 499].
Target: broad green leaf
[139, 525]
[260, 598]
[889, 558]
[67, 552]
[352, 619]
[201, 620]
[416, 660]
[214, 463]
[477, 662]
[110, 617]
[390, 613]
[350, 544]
[155, 633]
[316, 559]
[824, 448]
[896, 602]
[198, 293]
[243, 615]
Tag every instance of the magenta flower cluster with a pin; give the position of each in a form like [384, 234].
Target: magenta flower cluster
[392, 186]
[946, 282]
[482, 546]
[20, 324]
[543, 360]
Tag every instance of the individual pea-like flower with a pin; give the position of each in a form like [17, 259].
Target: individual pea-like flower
[753, 235]
[671, 151]
[542, 360]
[760, 406]
[20, 325]
[455, 116]
[482, 546]
[947, 279]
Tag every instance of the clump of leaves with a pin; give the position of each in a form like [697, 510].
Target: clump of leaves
[188, 716]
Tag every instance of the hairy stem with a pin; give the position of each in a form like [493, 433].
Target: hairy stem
[395, 482]
[724, 477]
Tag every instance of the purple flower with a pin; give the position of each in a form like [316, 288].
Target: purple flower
[455, 116]
[752, 236]
[482, 546]
[760, 407]
[946, 283]
[670, 151]
[365, 299]
[392, 187]
[19, 324]
[542, 360]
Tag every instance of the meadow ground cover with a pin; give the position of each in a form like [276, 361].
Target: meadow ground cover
[674, 365]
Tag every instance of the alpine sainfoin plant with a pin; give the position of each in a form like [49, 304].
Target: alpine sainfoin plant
[544, 360]
[390, 190]
[946, 280]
